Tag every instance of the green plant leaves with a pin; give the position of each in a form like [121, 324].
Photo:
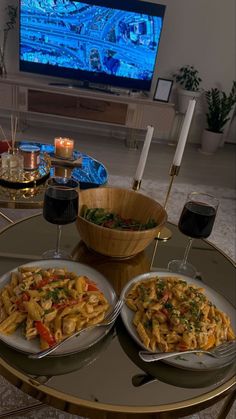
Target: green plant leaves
[188, 78]
[219, 107]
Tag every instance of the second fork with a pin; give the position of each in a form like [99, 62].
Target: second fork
[224, 350]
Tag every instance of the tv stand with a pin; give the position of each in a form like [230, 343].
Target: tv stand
[47, 98]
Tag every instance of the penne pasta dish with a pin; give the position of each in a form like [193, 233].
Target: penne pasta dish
[50, 303]
[173, 315]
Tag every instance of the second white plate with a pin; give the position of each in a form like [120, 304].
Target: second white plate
[186, 361]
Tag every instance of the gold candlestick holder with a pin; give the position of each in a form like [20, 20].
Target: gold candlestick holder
[174, 171]
[136, 184]
[165, 234]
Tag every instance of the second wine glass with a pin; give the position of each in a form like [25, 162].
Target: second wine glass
[60, 207]
[196, 221]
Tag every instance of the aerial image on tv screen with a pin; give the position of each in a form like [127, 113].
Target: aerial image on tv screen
[89, 37]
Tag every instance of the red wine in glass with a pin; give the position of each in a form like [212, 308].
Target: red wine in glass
[196, 221]
[60, 207]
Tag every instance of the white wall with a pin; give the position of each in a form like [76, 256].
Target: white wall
[201, 33]
[197, 32]
[12, 42]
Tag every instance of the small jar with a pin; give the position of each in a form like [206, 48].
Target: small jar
[12, 165]
[5, 157]
[31, 154]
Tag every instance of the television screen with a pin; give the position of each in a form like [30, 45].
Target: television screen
[109, 42]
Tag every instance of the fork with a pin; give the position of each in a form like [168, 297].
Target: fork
[109, 319]
[222, 351]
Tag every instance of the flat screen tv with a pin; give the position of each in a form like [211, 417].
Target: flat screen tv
[111, 42]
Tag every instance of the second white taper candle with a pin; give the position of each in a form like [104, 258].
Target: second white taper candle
[184, 133]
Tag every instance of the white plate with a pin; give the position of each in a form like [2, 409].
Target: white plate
[186, 361]
[87, 339]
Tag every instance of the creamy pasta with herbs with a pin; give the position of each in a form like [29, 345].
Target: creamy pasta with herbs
[51, 303]
[172, 315]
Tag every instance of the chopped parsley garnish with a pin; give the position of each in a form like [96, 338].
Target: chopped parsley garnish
[148, 324]
[200, 296]
[197, 326]
[194, 309]
[47, 311]
[180, 281]
[160, 284]
[160, 287]
[168, 306]
[54, 295]
[144, 294]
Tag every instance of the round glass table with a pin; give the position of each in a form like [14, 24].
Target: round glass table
[109, 380]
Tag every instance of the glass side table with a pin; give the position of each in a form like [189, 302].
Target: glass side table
[91, 173]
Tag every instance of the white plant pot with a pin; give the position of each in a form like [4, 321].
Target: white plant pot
[184, 96]
[210, 141]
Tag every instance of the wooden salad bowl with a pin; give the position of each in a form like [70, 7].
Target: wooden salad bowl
[128, 204]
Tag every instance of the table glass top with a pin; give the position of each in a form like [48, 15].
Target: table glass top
[111, 372]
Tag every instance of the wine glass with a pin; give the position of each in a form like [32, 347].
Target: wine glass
[60, 207]
[196, 221]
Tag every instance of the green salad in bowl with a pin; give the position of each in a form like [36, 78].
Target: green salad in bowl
[104, 218]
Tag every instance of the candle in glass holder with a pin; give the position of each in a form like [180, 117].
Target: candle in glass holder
[64, 147]
[31, 156]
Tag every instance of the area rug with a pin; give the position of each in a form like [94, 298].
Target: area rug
[223, 236]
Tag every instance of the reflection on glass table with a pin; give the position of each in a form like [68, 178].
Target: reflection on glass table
[49, 367]
[115, 381]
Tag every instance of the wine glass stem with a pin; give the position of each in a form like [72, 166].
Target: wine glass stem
[59, 228]
[186, 253]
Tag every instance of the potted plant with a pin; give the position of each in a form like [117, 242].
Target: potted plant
[189, 82]
[219, 106]
[10, 24]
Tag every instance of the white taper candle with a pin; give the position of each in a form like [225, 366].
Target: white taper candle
[144, 153]
[184, 133]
